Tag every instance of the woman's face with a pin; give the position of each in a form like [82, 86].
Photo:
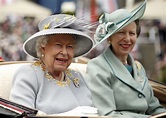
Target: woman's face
[58, 52]
[124, 40]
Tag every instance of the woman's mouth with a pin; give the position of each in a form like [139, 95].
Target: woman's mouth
[125, 45]
[62, 61]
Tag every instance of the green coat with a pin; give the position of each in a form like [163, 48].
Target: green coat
[116, 92]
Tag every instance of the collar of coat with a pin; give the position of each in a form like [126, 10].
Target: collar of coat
[120, 71]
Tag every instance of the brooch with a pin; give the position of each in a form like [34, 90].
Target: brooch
[76, 82]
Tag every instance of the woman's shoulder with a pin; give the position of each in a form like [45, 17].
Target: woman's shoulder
[139, 66]
[25, 67]
[28, 73]
[97, 63]
[28, 68]
[99, 59]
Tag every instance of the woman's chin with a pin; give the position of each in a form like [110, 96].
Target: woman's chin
[60, 68]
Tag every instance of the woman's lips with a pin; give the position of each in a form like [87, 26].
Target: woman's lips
[62, 61]
[125, 45]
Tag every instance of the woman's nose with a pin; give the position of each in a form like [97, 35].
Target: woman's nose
[64, 50]
[127, 37]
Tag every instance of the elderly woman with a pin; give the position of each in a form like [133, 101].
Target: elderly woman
[118, 83]
[47, 84]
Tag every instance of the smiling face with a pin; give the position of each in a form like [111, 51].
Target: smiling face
[58, 52]
[124, 40]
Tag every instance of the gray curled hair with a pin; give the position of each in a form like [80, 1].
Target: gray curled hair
[41, 42]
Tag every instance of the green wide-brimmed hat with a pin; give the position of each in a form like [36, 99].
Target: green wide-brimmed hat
[115, 21]
[61, 24]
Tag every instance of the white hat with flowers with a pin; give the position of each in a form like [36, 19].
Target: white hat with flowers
[61, 24]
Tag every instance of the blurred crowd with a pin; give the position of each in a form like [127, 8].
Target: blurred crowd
[13, 32]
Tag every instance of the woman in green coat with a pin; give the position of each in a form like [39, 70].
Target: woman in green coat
[118, 83]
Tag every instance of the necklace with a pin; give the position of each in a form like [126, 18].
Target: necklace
[63, 82]
[64, 79]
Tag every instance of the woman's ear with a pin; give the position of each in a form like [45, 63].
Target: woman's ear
[42, 49]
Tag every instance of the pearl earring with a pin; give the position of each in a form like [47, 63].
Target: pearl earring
[109, 42]
[42, 55]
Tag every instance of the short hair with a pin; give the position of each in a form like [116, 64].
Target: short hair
[138, 30]
[41, 42]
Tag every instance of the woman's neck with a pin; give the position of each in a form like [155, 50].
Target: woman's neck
[58, 75]
[123, 59]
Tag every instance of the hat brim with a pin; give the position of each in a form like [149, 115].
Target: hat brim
[135, 14]
[83, 41]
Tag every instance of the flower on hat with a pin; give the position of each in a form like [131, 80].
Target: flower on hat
[46, 26]
[103, 29]
[110, 22]
[60, 21]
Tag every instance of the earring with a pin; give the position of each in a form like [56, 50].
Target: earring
[42, 55]
[109, 42]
